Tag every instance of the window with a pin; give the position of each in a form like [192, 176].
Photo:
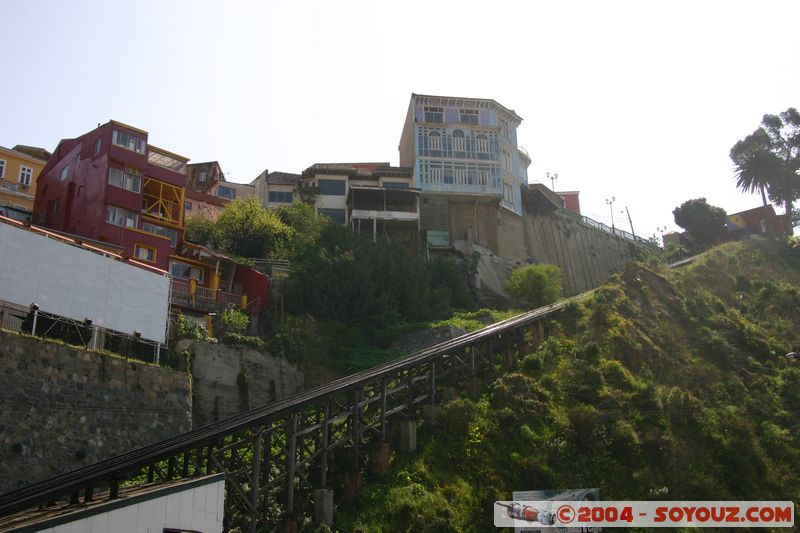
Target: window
[226, 192]
[503, 128]
[436, 175]
[120, 217]
[125, 180]
[482, 143]
[285, 197]
[155, 229]
[461, 176]
[435, 141]
[163, 160]
[337, 215]
[145, 253]
[508, 193]
[458, 141]
[98, 144]
[202, 175]
[470, 116]
[434, 114]
[332, 188]
[187, 205]
[184, 271]
[506, 160]
[126, 140]
[395, 185]
[2, 167]
[25, 175]
[483, 178]
[64, 173]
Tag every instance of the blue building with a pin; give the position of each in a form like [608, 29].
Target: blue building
[466, 147]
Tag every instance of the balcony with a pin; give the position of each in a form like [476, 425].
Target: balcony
[15, 186]
[189, 294]
[383, 204]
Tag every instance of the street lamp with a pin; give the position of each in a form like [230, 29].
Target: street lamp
[661, 230]
[552, 179]
[611, 207]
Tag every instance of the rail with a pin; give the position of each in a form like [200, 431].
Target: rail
[278, 443]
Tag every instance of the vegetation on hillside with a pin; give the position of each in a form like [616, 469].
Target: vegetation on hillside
[535, 285]
[360, 293]
[660, 385]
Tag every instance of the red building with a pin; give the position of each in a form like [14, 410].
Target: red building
[571, 200]
[111, 186]
[761, 220]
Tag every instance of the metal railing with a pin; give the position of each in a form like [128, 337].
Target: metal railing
[183, 294]
[603, 227]
[42, 324]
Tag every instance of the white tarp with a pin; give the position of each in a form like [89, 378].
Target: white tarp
[77, 283]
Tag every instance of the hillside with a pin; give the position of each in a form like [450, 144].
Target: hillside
[663, 384]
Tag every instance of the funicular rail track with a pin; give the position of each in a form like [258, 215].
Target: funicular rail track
[271, 452]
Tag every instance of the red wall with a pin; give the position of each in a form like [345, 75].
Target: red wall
[571, 201]
[254, 285]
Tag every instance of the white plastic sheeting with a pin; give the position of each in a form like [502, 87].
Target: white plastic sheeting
[76, 283]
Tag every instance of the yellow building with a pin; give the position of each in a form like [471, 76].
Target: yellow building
[18, 173]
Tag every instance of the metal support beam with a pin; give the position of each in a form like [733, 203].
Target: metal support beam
[356, 429]
[291, 447]
[432, 397]
[255, 481]
[326, 436]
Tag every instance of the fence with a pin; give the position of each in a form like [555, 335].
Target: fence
[33, 321]
[603, 227]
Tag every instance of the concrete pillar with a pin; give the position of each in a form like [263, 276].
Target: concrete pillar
[352, 483]
[408, 436]
[379, 458]
[473, 386]
[430, 414]
[323, 507]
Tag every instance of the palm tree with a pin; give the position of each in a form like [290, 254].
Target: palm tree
[754, 163]
[768, 159]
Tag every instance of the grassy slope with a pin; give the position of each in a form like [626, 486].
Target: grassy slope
[664, 384]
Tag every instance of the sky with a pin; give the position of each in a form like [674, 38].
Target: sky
[639, 101]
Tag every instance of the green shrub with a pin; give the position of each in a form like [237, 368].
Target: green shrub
[234, 321]
[188, 329]
[244, 340]
[536, 285]
[456, 418]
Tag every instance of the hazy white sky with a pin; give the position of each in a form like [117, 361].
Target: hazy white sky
[639, 100]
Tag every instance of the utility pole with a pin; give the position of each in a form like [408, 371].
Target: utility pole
[630, 222]
[611, 207]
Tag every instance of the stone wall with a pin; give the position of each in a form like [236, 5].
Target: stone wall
[64, 408]
[230, 379]
[586, 256]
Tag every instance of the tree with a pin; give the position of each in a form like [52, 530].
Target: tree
[769, 158]
[246, 229]
[702, 221]
[199, 229]
[536, 285]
